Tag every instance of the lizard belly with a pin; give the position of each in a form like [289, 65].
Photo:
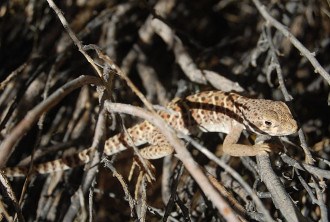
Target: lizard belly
[222, 127]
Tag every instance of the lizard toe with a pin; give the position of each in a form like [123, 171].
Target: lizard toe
[262, 148]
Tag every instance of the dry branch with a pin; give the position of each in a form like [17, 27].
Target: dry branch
[188, 65]
[162, 49]
[73, 36]
[90, 174]
[280, 197]
[182, 154]
[303, 50]
[7, 146]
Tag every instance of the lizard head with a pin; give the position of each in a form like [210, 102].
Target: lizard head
[269, 117]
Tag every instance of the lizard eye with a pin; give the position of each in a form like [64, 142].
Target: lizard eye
[268, 123]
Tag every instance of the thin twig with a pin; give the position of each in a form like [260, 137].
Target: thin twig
[182, 154]
[280, 197]
[275, 64]
[11, 76]
[89, 176]
[173, 192]
[7, 146]
[117, 69]
[6, 186]
[121, 180]
[305, 185]
[187, 64]
[233, 173]
[123, 75]
[321, 202]
[303, 50]
[73, 36]
[303, 166]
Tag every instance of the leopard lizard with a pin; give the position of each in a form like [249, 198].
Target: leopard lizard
[210, 111]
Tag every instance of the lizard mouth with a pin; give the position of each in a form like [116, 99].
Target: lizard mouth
[286, 130]
[294, 127]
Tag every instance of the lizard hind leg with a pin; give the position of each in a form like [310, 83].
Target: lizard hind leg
[158, 148]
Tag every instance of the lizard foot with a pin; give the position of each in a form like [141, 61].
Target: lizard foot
[262, 148]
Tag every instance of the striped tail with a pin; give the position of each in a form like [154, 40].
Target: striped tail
[67, 162]
[137, 134]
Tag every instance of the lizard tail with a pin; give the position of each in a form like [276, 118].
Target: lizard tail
[67, 162]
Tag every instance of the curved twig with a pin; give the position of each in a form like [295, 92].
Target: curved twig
[303, 50]
[7, 146]
[182, 154]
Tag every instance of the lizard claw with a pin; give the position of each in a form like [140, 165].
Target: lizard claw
[262, 148]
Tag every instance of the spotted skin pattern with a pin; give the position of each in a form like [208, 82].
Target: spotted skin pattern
[211, 111]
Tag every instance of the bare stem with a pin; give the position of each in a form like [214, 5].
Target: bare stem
[182, 154]
[303, 50]
[7, 146]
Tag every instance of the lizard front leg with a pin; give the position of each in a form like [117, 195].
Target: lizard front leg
[231, 147]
